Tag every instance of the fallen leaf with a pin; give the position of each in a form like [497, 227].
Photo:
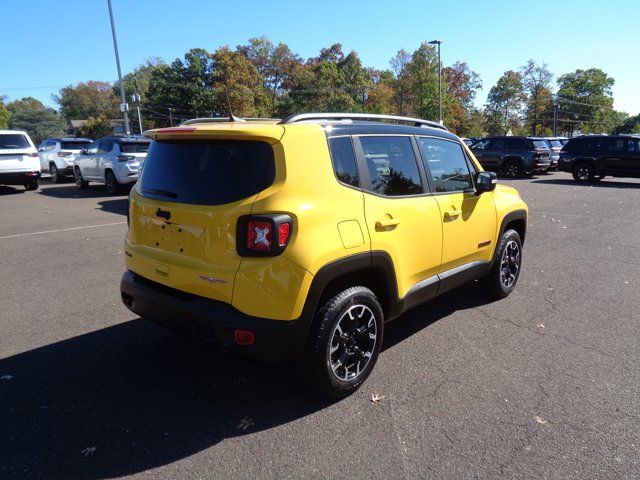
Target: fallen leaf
[541, 420]
[376, 397]
[245, 423]
[89, 451]
[540, 325]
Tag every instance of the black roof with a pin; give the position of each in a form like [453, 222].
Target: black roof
[117, 139]
[69, 139]
[378, 128]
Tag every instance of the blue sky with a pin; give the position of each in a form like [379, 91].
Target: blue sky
[48, 44]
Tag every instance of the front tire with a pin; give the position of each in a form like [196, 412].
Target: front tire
[502, 278]
[344, 343]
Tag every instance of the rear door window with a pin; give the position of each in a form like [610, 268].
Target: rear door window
[207, 172]
[447, 163]
[515, 144]
[392, 165]
[13, 141]
[498, 144]
[74, 145]
[128, 147]
[344, 161]
[105, 147]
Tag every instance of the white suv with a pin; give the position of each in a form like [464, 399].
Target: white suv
[19, 163]
[58, 154]
[114, 161]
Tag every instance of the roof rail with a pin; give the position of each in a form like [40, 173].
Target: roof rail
[301, 117]
[224, 119]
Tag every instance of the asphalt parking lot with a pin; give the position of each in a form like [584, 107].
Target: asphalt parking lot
[543, 384]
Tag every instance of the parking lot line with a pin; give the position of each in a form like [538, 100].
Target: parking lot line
[61, 230]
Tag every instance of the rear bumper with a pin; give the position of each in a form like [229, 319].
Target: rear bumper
[212, 321]
[18, 178]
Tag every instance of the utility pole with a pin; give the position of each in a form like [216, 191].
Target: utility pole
[439, 42]
[124, 106]
[555, 119]
[170, 117]
[136, 99]
[364, 98]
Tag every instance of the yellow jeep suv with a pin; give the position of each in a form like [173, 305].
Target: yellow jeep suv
[300, 238]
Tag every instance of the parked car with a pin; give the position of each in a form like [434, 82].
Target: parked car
[513, 156]
[467, 141]
[19, 163]
[299, 239]
[555, 146]
[57, 155]
[593, 157]
[114, 161]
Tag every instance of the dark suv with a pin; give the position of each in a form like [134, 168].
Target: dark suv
[513, 156]
[594, 157]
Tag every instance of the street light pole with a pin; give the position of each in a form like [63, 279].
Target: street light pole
[124, 107]
[439, 42]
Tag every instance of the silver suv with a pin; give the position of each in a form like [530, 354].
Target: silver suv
[57, 155]
[114, 161]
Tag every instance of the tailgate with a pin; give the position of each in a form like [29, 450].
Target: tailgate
[187, 247]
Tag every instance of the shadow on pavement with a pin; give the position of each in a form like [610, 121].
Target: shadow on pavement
[7, 190]
[599, 184]
[69, 190]
[119, 207]
[132, 397]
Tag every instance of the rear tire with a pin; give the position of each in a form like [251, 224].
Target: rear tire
[512, 169]
[111, 182]
[583, 172]
[32, 185]
[504, 273]
[55, 175]
[343, 344]
[80, 182]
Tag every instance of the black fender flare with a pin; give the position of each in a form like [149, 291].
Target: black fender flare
[520, 214]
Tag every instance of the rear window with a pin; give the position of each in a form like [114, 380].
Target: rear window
[208, 172]
[74, 145]
[13, 140]
[541, 144]
[142, 147]
[555, 143]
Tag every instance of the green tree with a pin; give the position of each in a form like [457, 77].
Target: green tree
[536, 82]
[423, 71]
[628, 125]
[504, 104]
[586, 101]
[90, 99]
[33, 117]
[402, 84]
[96, 127]
[4, 114]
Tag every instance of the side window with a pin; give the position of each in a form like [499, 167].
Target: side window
[616, 145]
[514, 144]
[105, 147]
[498, 144]
[634, 145]
[481, 144]
[447, 163]
[344, 161]
[93, 148]
[392, 165]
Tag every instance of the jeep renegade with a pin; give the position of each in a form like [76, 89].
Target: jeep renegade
[298, 239]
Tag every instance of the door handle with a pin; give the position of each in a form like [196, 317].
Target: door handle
[452, 214]
[387, 222]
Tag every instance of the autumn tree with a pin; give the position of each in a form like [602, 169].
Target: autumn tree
[90, 99]
[402, 84]
[32, 116]
[462, 85]
[536, 82]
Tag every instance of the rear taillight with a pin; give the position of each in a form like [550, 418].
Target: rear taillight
[64, 154]
[125, 158]
[263, 235]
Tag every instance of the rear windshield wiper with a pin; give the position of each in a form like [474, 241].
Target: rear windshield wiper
[163, 193]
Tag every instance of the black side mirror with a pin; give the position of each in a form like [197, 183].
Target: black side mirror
[486, 182]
